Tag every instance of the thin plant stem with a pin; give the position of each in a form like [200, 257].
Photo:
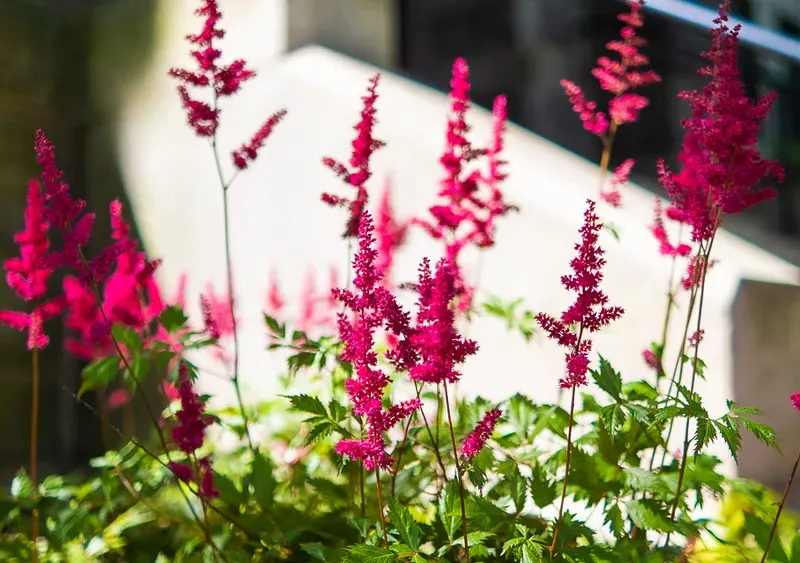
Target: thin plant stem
[380, 507]
[685, 457]
[605, 158]
[402, 446]
[35, 449]
[459, 475]
[566, 468]
[231, 297]
[780, 509]
[362, 490]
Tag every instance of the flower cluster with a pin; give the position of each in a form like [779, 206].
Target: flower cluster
[435, 338]
[222, 80]
[618, 77]
[590, 311]
[474, 443]
[189, 435]
[722, 167]
[622, 174]
[467, 213]
[357, 174]
[372, 307]
[130, 296]
[51, 210]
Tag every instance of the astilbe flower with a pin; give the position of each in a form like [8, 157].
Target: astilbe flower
[218, 320]
[590, 310]
[660, 233]
[130, 296]
[274, 301]
[390, 233]
[475, 442]
[189, 436]
[371, 308]
[796, 400]
[221, 80]
[358, 172]
[721, 165]
[618, 77]
[622, 174]
[467, 213]
[435, 338]
[50, 210]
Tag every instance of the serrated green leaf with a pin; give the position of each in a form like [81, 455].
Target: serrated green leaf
[608, 379]
[315, 550]
[705, 434]
[729, 431]
[128, 337]
[613, 417]
[613, 518]
[648, 514]
[99, 374]
[406, 526]
[173, 319]
[309, 404]
[450, 510]
[368, 554]
[532, 553]
[274, 326]
[762, 432]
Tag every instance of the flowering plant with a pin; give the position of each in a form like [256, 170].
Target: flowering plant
[382, 461]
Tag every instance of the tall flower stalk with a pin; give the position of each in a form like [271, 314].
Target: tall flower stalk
[619, 77]
[722, 169]
[589, 313]
[203, 116]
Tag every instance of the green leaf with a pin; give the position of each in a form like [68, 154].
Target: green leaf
[406, 526]
[705, 434]
[613, 417]
[729, 430]
[274, 326]
[368, 554]
[450, 510]
[613, 518]
[517, 487]
[306, 403]
[131, 518]
[315, 550]
[648, 514]
[98, 374]
[762, 432]
[608, 379]
[543, 490]
[128, 337]
[320, 431]
[229, 493]
[173, 319]
[532, 553]
[263, 481]
[140, 366]
[301, 360]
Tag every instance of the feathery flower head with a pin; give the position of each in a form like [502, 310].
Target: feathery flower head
[722, 167]
[796, 400]
[622, 174]
[619, 77]
[590, 310]
[439, 345]
[660, 233]
[475, 442]
[222, 80]
[372, 307]
[358, 171]
[249, 151]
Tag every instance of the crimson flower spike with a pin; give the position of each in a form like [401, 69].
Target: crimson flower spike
[358, 172]
[371, 307]
[590, 311]
[722, 167]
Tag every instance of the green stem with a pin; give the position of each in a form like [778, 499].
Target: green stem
[380, 507]
[34, 452]
[459, 474]
[780, 509]
[566, 469]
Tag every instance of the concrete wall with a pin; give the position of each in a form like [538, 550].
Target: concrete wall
[766, 372]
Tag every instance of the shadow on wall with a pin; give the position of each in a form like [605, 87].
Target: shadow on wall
[64, 66]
